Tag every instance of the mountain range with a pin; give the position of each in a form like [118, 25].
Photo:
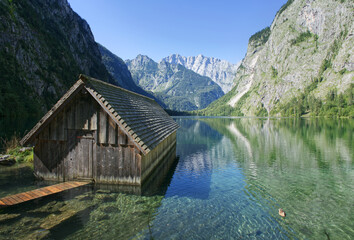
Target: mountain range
[121, 74]
[221, 72]
[302, 64]
[178, 87]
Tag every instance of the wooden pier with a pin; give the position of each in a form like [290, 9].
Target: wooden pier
[38, 193]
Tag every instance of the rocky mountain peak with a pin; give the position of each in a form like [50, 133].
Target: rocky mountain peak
[220, 71]
[141, 62]
[178, 87]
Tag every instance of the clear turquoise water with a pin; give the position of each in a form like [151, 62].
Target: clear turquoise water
[231, 178]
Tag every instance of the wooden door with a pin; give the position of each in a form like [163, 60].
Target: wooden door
[79, 163]
[84, 154]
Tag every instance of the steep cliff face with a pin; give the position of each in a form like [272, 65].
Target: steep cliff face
[179, 88]
[44, 46]
[220, 71]
[299, 65]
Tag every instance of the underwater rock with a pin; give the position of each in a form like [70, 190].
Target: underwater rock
[7, 160]
[85, 198]
[105, 198]
[5, 217]
[103, 191]
[102, 217]
[39, 234]
[52, 206]
[98, 216]
[24, 149]
[110, 209]
[55, 219]
[109, 199]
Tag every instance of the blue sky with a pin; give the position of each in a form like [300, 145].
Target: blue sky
[159, 28]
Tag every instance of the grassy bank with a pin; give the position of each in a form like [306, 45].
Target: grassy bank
[13, 148]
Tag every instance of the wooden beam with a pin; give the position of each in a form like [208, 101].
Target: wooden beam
[53, 112]
[38, 193]
[115, 118]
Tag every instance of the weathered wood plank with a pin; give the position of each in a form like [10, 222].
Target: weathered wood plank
[103, 127]
[78, 114]
[94, 158]
[38, 193]
[71, 148]
[7, 201]
[133, 164]
[15, 198]
[53, 130]
[33, 195]
[123, 139]
[98, 162]
[93, 119]
[120, 161]
[62, 122]
[90, 156]
[85, 109]
[127, 161]
[53, 112]
[45, 134]
[111, 132]
[71, 116]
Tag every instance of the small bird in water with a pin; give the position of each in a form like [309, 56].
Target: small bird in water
[281, 212]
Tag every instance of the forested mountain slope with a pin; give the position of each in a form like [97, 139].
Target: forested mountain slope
[44, 46]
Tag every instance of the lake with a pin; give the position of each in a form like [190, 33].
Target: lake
[231, 177]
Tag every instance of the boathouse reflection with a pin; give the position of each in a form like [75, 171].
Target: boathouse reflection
[194, 170]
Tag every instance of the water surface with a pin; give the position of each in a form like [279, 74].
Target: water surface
[231, 178]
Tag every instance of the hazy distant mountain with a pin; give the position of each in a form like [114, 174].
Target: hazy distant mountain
[178, 87]
[220, 71]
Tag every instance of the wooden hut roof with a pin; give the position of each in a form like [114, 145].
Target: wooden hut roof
[140, 117]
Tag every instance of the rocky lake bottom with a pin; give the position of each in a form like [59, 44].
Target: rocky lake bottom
[228, 182]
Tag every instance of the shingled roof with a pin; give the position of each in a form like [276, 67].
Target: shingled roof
[140, 117]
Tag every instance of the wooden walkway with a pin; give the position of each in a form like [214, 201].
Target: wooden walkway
[38, 193]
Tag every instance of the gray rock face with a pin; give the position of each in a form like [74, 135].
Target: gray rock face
[308, 41]
[120, 72]
[179, 88]
[44, 46]
[220, 71]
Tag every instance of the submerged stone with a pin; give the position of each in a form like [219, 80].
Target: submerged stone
[53, 220]
[98, 216]
[110, 209]
[7, 160]
[24, 149]
[109, 199]
[39, 234]
[6, 217]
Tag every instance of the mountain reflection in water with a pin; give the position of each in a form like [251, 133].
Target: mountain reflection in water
[231, 178]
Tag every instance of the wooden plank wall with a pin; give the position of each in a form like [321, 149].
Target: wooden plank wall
[56, 151]
[118, 160]
[84, 142]
[150, 161]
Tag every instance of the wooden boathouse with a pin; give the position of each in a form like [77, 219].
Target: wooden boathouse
[101, 132]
